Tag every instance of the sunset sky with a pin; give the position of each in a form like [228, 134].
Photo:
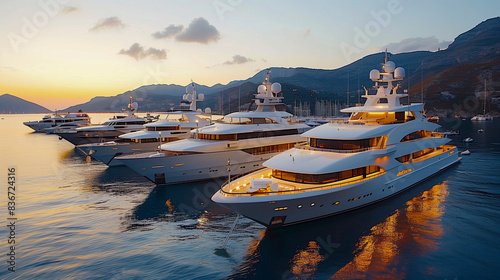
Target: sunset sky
[59, 53]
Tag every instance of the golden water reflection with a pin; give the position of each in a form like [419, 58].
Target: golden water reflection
[416, 228]
[305, 262]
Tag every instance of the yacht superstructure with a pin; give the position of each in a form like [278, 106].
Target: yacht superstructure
[51, 121]
[384, 148]
[241, 142]
[109, 130]
[175, 126]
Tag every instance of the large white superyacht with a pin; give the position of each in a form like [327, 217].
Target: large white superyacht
[384, 148]
[175, 126]
[243, 139]
[52, 121]
[109, 130]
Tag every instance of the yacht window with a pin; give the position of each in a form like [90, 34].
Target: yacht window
[327, 177]
[383, 101]
[417, 135]
[248, 135]
[163, 128]
[269, 149]
[335, 144]
[407, 158]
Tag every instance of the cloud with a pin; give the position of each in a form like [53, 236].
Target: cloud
[238, 59]
[69, 9]
[417, 44]
[137, 51]
[111, 22]
[199, 31]
[168, 32]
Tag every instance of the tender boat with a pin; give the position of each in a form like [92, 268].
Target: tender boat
[51, 121]
[244, 139]
[468, 140]
[176, 125]
[109, 130]
[383, 149]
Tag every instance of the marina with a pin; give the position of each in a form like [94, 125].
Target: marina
[252, 140]
[87, 221]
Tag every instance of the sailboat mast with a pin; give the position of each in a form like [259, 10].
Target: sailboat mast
[484, 106]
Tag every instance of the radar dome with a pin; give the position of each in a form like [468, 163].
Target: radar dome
[133, 105]
[374, 75]
[201, 96]
[189, 97]
[276, 87]
[389, 66]
[208, 110]
[399, 73]
[184, 97]
[190, 89]
[261, 89]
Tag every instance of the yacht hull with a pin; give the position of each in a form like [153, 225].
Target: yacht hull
[39, 127]
[107, 152]
[194, 167]
[289, 209]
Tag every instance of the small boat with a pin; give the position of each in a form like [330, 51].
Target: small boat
[451, 132]
[465, 153]
[468, 140]
[434, 119]
[483, 117]
[480, 130]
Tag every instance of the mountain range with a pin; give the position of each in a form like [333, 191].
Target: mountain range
[10, 104]
[450, 81]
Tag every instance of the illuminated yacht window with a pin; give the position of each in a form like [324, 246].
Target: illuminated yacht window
[299, 206]
[312, 204]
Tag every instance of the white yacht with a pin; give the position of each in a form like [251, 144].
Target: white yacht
[383, 149]
[175, 126]
[483, 117]
[65, 127]
[244, 139]
[109, 130]
[50, 121]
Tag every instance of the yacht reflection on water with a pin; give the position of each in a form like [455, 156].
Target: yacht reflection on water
[187, 204]
[368, 243]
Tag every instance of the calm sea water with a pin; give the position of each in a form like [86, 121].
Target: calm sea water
[82, 220]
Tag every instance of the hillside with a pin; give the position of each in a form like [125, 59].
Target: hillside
[460, 69]
[15, 105]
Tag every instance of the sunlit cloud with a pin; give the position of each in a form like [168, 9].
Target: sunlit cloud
[238, 59]
[108, 23]
[169, 31]
[69, 9]
[199, 31]
[138, 52]
[416, 44]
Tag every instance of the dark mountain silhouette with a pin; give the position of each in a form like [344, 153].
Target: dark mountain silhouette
[459, 70]
[15, 105]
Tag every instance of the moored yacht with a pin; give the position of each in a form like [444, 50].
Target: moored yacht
[176, 125]
[51, 121]
[109, 130]
[242, 139]
[483, 117]
[384, 148]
